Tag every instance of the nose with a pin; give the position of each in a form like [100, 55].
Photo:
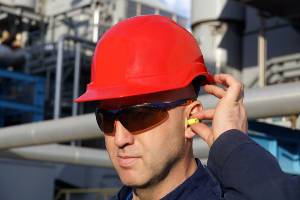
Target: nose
[122, 136]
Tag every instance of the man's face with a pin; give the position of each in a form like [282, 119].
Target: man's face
[146, 158]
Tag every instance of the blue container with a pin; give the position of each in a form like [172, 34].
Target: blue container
[281, 142]
[21, 94]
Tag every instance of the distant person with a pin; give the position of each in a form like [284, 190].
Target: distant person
[12, 54]
[146, 74]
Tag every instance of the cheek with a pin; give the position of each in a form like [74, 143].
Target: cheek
[175, 126]
[165, 141]
[110, 146]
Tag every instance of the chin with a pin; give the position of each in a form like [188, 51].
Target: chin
[132, 180]
[140, 179]
[133, 175]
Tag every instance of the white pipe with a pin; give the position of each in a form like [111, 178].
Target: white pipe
[270, 101]
[277, 100]
[62, 154]
[76, 80]
[200, 148]
[79, 155]
[262, 53]
[58, 77]
[51, 131]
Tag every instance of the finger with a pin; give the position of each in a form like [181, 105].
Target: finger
[205, 114]
[204, 132]
[235, 88]
[215, 90]
[225, 79]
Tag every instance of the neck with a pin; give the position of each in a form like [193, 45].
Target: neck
[180, 171]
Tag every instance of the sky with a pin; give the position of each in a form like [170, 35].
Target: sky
[182, 7]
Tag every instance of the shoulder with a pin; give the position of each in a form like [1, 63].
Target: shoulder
[123, 193]
[201, 185]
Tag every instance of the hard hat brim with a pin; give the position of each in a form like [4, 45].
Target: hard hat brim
[120, 91]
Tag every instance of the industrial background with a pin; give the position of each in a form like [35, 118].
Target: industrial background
[51, 148]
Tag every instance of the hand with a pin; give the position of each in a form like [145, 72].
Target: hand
[230, 112]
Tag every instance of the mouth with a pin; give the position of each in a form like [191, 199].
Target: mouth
[127, 161]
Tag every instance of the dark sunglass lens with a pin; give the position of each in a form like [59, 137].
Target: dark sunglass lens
[105, 121]
[142, 118]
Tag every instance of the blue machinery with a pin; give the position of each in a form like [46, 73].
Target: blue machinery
[21, 93]
[283, 143]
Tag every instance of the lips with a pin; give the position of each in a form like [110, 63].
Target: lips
[127, 161]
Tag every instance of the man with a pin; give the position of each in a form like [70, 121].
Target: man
[146, 74]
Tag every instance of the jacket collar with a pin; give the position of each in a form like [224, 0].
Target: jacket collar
[200, 179]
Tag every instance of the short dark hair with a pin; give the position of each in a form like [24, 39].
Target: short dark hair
[197, 83]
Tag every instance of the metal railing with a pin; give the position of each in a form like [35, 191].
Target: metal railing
[59, 71]
[280, 70]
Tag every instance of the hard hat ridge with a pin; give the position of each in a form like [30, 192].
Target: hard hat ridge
[143, 55]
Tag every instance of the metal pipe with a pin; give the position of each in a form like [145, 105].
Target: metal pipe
[76, 82]
[270, 101]
[95, 23]
[80, 156]
[58, 77]
[59, 69]
[211, 24]
[200, 148]
[80, 40]
[62, 154]
[138, 8]
[50, 131]
[276, 100]
[262, 53]
[76, 78]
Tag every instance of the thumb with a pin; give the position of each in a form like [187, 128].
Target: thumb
[204, 132]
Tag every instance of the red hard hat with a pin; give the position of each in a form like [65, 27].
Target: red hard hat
[142, 55]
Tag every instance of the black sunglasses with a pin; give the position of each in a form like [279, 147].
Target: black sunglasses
[136, 118]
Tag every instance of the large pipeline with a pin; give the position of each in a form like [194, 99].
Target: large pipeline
[271, 101]
[277, 100]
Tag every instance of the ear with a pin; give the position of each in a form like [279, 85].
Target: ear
[190, 110]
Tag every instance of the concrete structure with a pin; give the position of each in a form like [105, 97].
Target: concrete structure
[91, 18]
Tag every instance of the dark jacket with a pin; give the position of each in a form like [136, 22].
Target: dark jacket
[237, 169]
